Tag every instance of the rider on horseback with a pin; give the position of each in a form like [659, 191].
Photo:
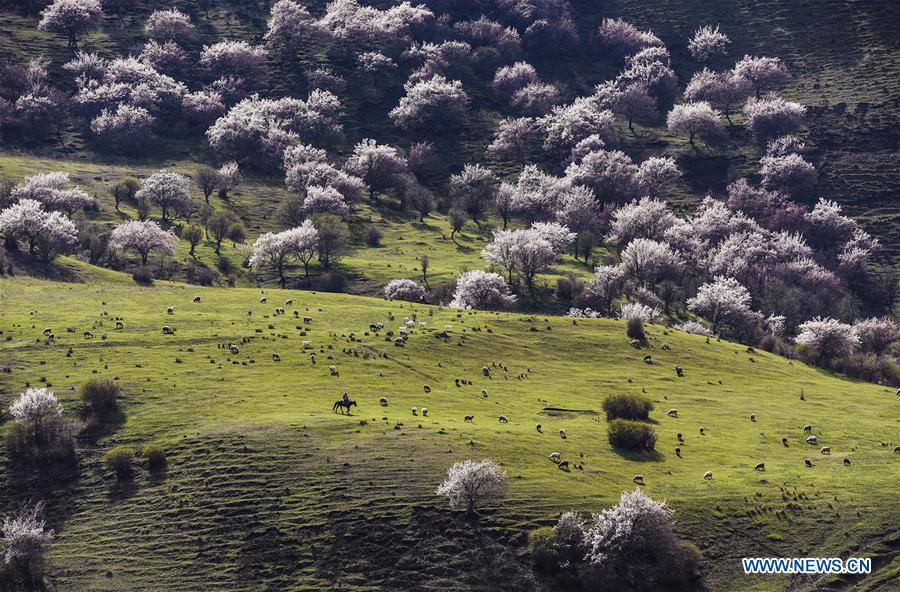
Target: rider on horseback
[347, 400]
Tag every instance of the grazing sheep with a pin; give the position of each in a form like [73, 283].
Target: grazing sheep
[896, 449]
[680, 437]
[784, 441]
[539, 428]
[672, 412]
[678, 452]
[562, 434]
[485, 371]
[307, 320]
[707, 475]
[469, 418]
[196, 299]
[289, 302]
[170, 310]
[760, 467]
[296, 314]
[333, 370]
[167, 330]
[812, 440]
[847, 462]
[563, 466]
[263, 300]
[279, 310]
[422, 325]
[807, 428]
[484, 393]
[448, 328]
[424, 411]
[399, 342]
[307, 344]
[89, 335]
[639, 479]
[808, 463]
[235, 350]
[426, 388]
[120, 325]
[276, 358]
[415, 411]
[752, 417]
[636, 344]
[555, 457]
[383, 402]
[504, 419]
[702, 431]
[679, 371]
[47, 331]
[648, 359]
[825, 450]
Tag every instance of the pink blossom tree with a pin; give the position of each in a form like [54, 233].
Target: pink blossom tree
[605, 286]
[379, 165]
[514, 139]
[623, 37]
[772, 115]
[723, 90]
[647, 218]
[235, 58]
[325, 200]
[169, 25]
[695, 119]
[50, 233]
[791, 174]
[876, 334]
[650, 261]
[708, 43]
[436, 101]
[403, 289]
[124, 127]
[762, 73]
[53, 192]
[828, 337]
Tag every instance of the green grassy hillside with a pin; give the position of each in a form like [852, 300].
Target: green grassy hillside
[267, 489]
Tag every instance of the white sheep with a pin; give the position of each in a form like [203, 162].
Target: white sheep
[333, 370]
[555, 457]
[752, 417]
[672, 412]
[47, 331]
[426, 388]
[276, 358]
[896, 449]
[296, 314]
[422, 325]
[807, 428]
[639, 479]
[707, 475]
[504, 419]
[170, 310]
[235, 350]
[424, 411]
[812, 440]
[307, 344]
[263, 300]
[120, 325]
[825, 450]
[167, 330]
[448, 328]
[415, 410]
[562, 433]
[564, 465]
[702, 431]
[383, 401]
[196, 299]
[289, 302]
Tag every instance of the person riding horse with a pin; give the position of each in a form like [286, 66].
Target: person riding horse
[344, 403]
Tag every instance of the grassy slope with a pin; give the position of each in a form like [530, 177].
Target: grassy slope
[267, 489]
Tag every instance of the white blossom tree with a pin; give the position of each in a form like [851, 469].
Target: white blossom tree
[790, 173]
[436, 101]
[274, 250]
[647, 218]
[723, 90]
[379, 165]
[610, 174]
[484, 290]
[71, 18]
[35, 405]
[143, 238]
[325, 200]
[229, 178]
[48, 233]
[695, 119]
[514, 139]
[403, 289]
[605, 286]
[625, 38]
[876, 334]
[169, 25]
[828, 337]
[650, 261]
[26, 540]
[772, 115]
[125, 127]
[235, 58]
[635, 311]
[762, 72]
[566, 125]
[471, 484]
[708, 43]
[474, 188]
[168, 191]
[52, 191]
[655, 174]
[722, 301]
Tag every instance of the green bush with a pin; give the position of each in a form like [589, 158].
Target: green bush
[100, 394]
[631, 435]
[118, 460]
[155, 455]
[142, 276]
[635, 330]
[627, 406]
[681, 565]
[542, 548]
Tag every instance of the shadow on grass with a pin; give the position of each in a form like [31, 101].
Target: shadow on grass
[646, 456]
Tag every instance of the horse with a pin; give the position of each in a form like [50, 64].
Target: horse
[340, 403]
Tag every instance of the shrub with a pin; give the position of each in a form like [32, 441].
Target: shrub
[99, 394]
[155, 455]
[333, 281]
[627, 406]
[681, 565]
[373, 236]
[631, 435]
[542, 548]
[635, 329]
[142, 276]
[118, 460]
